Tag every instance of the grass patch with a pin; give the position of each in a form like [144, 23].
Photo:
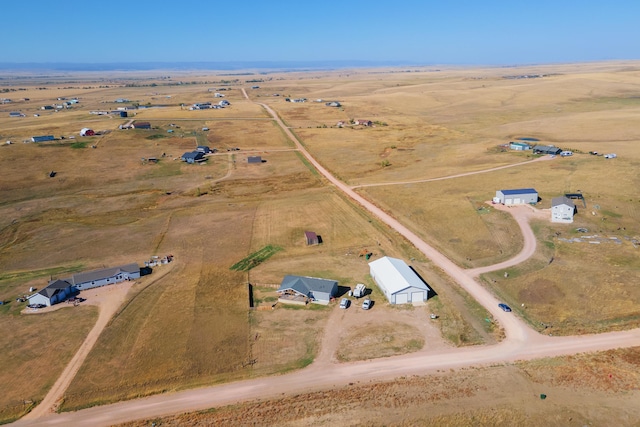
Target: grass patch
[156, 136]
[256, 258]
[79, 144]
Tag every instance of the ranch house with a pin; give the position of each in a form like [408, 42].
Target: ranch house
[60, 289]
[303, 289]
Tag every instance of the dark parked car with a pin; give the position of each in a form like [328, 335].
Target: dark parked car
[504, 307]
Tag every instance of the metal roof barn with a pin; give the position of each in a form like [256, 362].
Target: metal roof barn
[399, 282]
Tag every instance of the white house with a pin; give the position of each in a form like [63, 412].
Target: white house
[520, 196]
[399, 283]
[55, 292]
[60, 289]
[562, 209]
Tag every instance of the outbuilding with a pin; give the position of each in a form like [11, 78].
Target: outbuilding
[399, 282]
[308, 289]
[519, 146]
[562, 210]
[254, 159]
[87, 132]
[141, 125]
[520, 196]
[205, 149]
[311, 238]
[43, 138]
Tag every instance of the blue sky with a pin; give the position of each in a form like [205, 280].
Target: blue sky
[413, 32]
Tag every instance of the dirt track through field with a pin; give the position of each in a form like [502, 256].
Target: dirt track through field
[521, 342]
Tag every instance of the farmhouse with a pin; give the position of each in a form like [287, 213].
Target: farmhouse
[193, 157]
[519, 146]
[43, 138]
[141, 125]
[399, 282]
[254, 159]
[546, 149]
[60, 289]
[311, 238]
[307, 289]
[519, 196]
[562, 209]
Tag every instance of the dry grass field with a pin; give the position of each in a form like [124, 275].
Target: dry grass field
[35, 350]
[595, 389]
[106, 206]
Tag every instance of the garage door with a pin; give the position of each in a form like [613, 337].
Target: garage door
[402, 298]
[508, 201]
[517, 201]
[417, 296]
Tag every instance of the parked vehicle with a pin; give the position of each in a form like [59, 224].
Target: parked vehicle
[345, 303]
[610, 156]
[366, 304]
[360, 290]
[504, 307]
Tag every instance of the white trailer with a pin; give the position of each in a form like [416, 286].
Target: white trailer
[360, 290]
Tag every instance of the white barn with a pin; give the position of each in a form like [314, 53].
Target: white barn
[520, 196]
[399, 283]
[562, 209]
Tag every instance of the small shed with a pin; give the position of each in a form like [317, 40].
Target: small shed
[254, 159]
[311, 238]
[520, 196]
[16, 114]
[562, 210]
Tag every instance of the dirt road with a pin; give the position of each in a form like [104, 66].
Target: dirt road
[521, 343]
[108, 299]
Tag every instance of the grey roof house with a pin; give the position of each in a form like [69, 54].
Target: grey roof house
[310, 289]
[193, 157]
[562, 210]
[546, 149]
[60, 289]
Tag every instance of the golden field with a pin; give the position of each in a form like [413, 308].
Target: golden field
[108, 206]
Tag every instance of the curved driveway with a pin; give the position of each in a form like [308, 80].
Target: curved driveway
[521, 343]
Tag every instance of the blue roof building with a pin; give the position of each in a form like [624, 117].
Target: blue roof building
[518, 196]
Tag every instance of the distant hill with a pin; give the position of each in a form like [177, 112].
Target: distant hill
[229, 65]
